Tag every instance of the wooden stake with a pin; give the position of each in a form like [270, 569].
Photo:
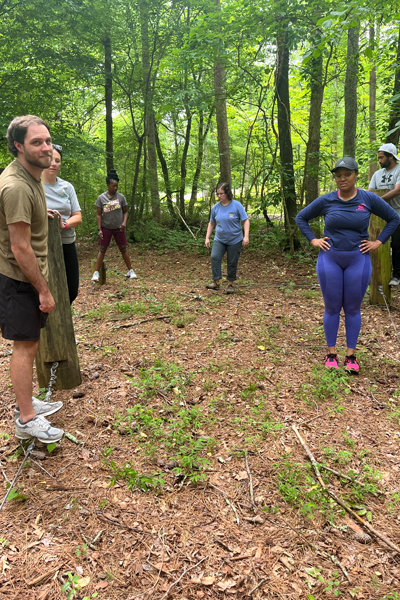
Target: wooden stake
[57, 339]
[380, 259]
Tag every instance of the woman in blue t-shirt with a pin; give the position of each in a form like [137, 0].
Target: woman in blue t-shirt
[344, 265]
[227, 217]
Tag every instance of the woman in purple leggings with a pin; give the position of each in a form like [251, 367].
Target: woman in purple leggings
[344, 265]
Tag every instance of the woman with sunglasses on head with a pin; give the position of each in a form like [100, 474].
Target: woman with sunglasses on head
[344, 265]
[62, 201]
[227, 217]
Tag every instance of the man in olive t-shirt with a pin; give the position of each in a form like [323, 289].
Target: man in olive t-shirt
[25, 299]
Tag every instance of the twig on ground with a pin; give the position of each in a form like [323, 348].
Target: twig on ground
[140, 322]
[317, 417]
[251, 592]
[43, 576]
[315, 465]
[43, 469]
[216, 488]
[180, 577]
[234, 510]
[250, 480]
[342, 476]
[380, 404]
[221, 543]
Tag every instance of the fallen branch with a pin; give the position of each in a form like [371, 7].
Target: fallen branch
[43, 576]
[251, 592]
[119, 524]
[342, 476]
[317, 417]
[179, 578]
[234, 510]
[141, 322]
[250, 480]
[314, 463]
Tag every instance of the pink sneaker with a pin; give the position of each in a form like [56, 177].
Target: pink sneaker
[351, 364]
[331, 361]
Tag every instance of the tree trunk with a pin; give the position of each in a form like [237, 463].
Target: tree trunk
[134, 206]
[284, 133]
[311, 176]
[108, 99]
[182, 186]
[150, 125]
[372, 105]
[167, 181]
[222, 117]
[380, 259]
[350, 93]
[394, 119]
[201, 148]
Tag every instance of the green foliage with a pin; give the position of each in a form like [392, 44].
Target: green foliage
[134, 479]
[325, 384]
[16, 493]
[298, 487]
[162, 376]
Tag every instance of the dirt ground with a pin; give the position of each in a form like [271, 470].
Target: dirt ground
[214, 384]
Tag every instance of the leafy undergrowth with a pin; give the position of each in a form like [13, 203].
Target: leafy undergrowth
[185, 450]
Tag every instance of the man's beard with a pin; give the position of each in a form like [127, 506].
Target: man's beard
[41, 163]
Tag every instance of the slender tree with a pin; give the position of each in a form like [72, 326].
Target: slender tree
[108, 100]
[284, 132]
[394, 119]
[350, 92]
[221, 115]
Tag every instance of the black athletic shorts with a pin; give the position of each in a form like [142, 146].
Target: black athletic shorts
[20, 316]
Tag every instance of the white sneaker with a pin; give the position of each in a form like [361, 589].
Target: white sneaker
[44, 409]
[131, 274]
[38, 428]
[96, 276]
[394, 281]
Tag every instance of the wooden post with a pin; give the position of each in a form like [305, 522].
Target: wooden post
[102, 271]
[57, 339]
[381, 262]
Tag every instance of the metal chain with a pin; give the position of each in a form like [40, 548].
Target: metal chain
[27, 455]
[52, 380]
[382, 293]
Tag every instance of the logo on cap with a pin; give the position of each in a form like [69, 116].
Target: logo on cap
[342, 163]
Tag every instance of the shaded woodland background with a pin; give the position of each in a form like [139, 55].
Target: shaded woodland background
[178, 95]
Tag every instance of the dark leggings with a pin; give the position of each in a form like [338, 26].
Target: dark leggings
[72, 270]
[344, 278]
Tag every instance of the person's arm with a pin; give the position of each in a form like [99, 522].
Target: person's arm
[125, 219]
[20, 241]
[210, 229]
[98, 221]
[74, 220]
[246, 227]
[383, 210]
[313, 210]
[392, 193]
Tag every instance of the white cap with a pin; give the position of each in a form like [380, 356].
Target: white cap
[390, 149]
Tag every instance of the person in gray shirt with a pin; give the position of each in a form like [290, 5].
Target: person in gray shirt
[61, 200]
[388, 178]
[112, 216]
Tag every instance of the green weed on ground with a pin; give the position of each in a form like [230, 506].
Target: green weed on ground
[325, 384]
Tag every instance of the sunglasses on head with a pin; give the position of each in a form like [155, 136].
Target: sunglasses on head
[57, 147]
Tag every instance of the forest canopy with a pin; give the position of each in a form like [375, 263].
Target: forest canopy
[177, 96]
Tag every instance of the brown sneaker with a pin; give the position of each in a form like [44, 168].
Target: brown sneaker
[212, 286]
[229, 289]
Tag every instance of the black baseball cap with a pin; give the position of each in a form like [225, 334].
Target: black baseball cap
[347, 163]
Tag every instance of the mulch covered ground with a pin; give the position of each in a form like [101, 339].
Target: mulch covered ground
[246, 517]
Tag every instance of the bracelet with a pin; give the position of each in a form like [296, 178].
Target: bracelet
[65, 224]
[99, 229]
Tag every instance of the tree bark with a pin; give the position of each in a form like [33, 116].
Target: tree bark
[394, 119]
[311, 176]
[134, 206]
[222, 117]
[150, 125]
[284, 133]
[108, 101]
[201, 140]
[350, 93]
[182, 186]
[167, 181]
[372, 104]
